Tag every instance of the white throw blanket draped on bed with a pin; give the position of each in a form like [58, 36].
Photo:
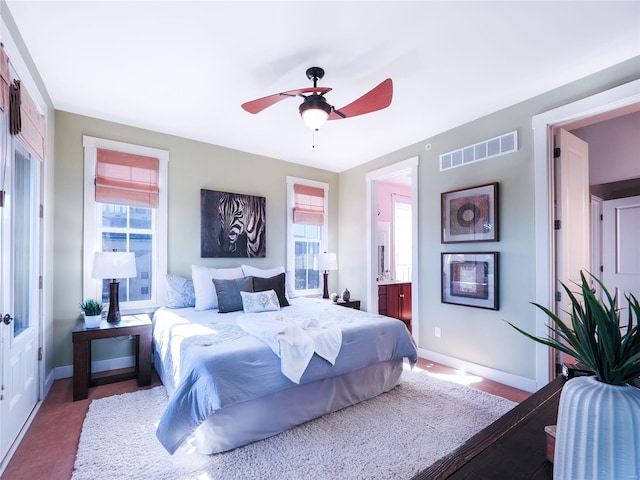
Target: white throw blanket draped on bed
[294, 339]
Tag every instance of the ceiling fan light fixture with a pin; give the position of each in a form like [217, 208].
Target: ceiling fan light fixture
[314, 111]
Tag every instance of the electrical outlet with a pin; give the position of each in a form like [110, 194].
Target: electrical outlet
[438, 332]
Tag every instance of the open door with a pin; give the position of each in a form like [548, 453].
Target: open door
[572, 204]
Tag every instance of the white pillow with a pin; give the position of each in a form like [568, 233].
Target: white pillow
[205, 290]
[180, 292]
[255, 302]
[250, 271]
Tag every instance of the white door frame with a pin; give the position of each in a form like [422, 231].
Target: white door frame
[543, 124]
[405, 167]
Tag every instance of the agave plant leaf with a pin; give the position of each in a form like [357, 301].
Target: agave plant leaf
[594, 335]
[550, 342]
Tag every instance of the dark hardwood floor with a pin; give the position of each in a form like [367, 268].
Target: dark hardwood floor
[48, 449]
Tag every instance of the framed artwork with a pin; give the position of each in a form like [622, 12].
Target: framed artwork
[232, 225]
[470, 279]
[470, 214]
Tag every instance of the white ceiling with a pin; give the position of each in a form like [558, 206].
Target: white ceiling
[184, 68]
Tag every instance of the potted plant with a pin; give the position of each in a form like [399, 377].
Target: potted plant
[598, 416]
[334, 296]
[92, 310]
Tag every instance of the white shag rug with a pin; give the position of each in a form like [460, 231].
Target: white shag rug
[392, 436]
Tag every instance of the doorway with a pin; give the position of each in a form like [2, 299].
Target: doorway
[624, 96]
[382, 262]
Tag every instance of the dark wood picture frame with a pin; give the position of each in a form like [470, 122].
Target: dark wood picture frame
[470, 279]
[470, 214]
[232, 225]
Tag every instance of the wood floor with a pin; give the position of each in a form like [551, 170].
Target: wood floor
[48, 449]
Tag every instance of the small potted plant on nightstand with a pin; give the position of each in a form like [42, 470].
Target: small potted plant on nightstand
[334, 296]
[92, 310]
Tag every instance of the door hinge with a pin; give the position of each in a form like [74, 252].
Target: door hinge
[1, 390]
[601, 268]
[40, 282]
[39, 353]
[556, 152]
[41, 211]
[557, 224]
[558, 296]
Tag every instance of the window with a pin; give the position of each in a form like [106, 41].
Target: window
[307, 220]
[402, 237]
[125, 209]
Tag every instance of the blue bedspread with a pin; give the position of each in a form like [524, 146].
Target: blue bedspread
[220, 365]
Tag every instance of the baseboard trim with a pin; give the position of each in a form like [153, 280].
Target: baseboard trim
[48, 383]
[515, 381]
[66, 371]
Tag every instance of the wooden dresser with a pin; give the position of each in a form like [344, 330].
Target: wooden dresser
[394, 300]
[513, 447]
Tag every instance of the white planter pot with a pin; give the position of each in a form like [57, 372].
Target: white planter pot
[92, 321]
[598, 431]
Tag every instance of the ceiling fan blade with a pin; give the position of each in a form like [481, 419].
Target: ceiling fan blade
[376, 99]
[256, 106]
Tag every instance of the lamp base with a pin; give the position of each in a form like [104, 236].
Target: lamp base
[114, 306]
[325, 294]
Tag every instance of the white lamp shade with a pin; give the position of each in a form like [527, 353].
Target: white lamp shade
[114, 265]
[325, 261]
[314, 111]
[314, 118]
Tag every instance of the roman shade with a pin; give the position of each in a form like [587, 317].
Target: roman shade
[25, 120]
[4, 80]
[308, 205]
[126, 179]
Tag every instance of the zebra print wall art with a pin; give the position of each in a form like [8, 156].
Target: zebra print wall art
[232, 225]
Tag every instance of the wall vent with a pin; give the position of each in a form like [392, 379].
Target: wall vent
[493, 147]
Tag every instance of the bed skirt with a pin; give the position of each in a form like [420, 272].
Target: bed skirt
[254, 420]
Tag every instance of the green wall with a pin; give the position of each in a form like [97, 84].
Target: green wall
[192, 166]
[471, 334]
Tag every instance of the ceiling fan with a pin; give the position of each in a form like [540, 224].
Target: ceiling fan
[315, 109]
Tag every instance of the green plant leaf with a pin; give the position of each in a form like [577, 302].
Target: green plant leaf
[594, 336]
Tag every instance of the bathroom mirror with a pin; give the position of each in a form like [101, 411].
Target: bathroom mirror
[384, 251]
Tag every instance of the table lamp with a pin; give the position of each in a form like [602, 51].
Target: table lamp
[114, 265]
[325, 262]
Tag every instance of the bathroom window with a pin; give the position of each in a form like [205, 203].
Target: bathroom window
[402, 238]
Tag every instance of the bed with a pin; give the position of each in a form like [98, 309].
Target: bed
[226, 385]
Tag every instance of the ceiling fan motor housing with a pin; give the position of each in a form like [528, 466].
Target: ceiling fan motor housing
[315, 110]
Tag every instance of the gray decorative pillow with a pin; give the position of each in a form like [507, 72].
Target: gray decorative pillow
[266, 301]
[228, 291]
[180, 293]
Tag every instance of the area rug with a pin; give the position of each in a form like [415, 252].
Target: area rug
[392, 436]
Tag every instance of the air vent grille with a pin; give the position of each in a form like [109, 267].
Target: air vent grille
[493, 147]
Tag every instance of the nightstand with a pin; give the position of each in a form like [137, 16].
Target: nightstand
[355, 304]
[138, 326]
